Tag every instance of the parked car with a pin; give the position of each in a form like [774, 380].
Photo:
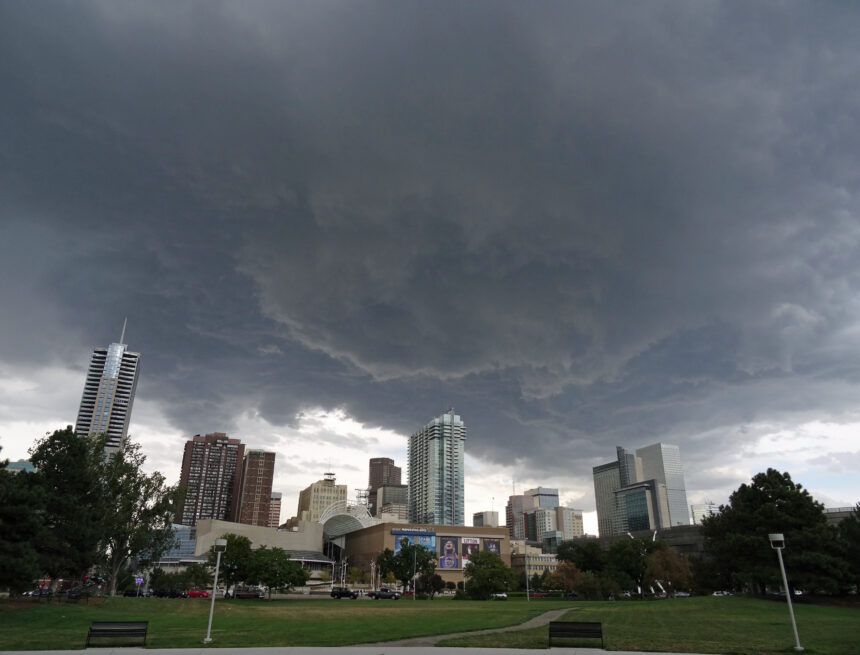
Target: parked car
[384, 593]
[343, 592]
[682, 594]
[721, 593]
[133, 593]
[169, 593]
[249, 592]
[501, 596]
[197, 593]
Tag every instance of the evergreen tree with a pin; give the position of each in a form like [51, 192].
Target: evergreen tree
[736, 538]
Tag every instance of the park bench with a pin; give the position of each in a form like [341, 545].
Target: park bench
[575, 630]
[117, 630]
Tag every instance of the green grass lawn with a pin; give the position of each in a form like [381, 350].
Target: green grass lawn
[181, 622]
[696, 625]
[733, 625]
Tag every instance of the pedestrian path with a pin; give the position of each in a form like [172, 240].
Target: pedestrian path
[432, 640]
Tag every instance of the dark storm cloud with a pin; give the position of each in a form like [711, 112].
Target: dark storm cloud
[580, 224]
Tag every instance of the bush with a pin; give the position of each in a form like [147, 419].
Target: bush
[460, 595]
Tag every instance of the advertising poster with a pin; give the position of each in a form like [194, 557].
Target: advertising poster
[470, 545]
[448, 557]
[426, 539]
[493, 546]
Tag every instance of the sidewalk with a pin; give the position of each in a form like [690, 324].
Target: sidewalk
[346, 650]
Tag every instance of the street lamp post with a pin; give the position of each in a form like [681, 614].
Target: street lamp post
[777, 542]
[219, 547]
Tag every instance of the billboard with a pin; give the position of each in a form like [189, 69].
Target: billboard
[426, 539]
[470, 545]
[493, 546]
[448, 557]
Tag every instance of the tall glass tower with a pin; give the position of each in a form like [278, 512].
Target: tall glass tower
[109, 393]
[435, 460]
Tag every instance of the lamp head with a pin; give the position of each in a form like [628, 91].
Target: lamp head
[777, 541]
[220, 545]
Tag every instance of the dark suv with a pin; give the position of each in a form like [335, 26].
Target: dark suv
[343, 592]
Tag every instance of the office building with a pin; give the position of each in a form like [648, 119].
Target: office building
[543, 496]
[701, 510]
[381, 471]
[274, 510]
[662, 462]
[486, 519]
[644, 491]
[318, 497]
[436, 469]
[109, 393]
[514, 513]
[211, 475]
[258, 470]
[393, 499]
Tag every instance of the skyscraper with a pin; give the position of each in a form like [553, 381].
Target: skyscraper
[435, 458]
[319, 496]
[258, 469]
[662, 462]
[109, 393]
[211, 475]
[644, 491]
[275, 510]
[381, 471]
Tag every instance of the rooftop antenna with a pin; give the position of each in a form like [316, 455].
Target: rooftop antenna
[122, 336]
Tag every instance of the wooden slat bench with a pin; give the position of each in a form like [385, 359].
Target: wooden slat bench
[117, 630]
[575, 630]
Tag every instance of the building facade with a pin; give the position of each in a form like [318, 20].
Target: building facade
[514, 515]
[382, 471]
[436, 472]
[662, 462]
[644, 491]
[316, 498]
[274, 510]
[109, 393]
[258, 470]
[211, 474]
[488, 519]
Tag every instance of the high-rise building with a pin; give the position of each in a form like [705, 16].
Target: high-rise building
[485, 519]
[514, 511]
[543, 496]
[258, 470]
[436, 472]
[109, 393]
[211, 475]
[662, 462]
[316, 498]
[381, 471]
[275, 510]
[702, 510]
[642, 491]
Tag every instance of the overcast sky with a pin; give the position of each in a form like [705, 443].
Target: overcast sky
[581, 224]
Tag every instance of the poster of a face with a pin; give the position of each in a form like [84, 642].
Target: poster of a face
[470, 545]
[448, 557]
[493, 546]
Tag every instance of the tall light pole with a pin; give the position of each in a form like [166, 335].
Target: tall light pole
[527, 575]
[777, 542]
[219, 547]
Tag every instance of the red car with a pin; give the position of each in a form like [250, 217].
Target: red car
[197, 593]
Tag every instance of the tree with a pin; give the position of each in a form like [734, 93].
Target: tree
[849, 532]
[486, 574]
[566, 576]
[409, 561]
[584, 554]
[20, 529]
[430, 584]
[197, 575]
[736, 538]
[73, 505]
[137, 526]
[273, 568]
[666, 567]
[626, 562]
[235, 561]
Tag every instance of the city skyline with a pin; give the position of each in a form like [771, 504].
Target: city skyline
[584, 226]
